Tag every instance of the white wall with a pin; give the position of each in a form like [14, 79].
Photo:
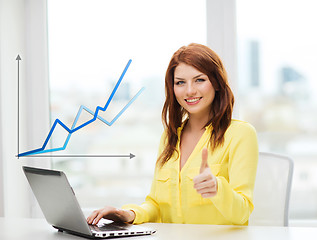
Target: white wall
[23, 31]
[222, 38]
[221, 34]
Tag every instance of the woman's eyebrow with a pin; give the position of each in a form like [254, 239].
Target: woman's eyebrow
[199, 75]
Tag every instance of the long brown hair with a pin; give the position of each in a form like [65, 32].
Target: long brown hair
[208, 62]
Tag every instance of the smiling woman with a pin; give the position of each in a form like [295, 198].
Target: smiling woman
[202, 60]
[207, 162]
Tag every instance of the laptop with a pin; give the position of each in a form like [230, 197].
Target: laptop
[61, 208]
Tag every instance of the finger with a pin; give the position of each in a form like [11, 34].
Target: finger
[97, 219]
[204, 176]
[205, 184]
[91, 217]
[204, 163]
[207, 189]
[210, 188]
[209, 194]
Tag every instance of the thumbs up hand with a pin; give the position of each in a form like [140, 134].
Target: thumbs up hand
[205, 183]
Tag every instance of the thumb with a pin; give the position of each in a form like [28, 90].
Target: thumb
[204, 163]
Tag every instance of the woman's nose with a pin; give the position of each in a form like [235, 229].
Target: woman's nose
[190, 90]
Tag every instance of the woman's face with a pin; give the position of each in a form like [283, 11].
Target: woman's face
[193, 90]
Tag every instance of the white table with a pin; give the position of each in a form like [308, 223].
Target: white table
[39, 229]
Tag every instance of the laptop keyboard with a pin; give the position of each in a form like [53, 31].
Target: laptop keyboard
[108, 227]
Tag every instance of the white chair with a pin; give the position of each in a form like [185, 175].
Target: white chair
[272, 190]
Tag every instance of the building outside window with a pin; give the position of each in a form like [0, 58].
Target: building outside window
[277, 85]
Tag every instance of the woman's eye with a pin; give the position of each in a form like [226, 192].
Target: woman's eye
[179, 82]
[200, 80]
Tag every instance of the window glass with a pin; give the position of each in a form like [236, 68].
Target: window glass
[277, 53]
[90, 43]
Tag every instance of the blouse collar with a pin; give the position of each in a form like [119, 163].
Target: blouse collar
[180, 129]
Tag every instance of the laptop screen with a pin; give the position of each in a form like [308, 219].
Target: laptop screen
[57, 199]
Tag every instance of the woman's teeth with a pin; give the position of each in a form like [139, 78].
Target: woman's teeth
[192, 100]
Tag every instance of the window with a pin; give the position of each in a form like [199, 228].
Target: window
[277, 81]
[90, 42]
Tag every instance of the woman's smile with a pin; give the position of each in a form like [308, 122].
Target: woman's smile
[193, 101]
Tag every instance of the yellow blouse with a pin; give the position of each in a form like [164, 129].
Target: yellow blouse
[173, 198]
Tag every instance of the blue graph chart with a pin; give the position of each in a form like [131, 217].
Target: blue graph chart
[95, 117]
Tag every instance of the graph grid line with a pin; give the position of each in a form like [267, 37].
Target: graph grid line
[95, 117]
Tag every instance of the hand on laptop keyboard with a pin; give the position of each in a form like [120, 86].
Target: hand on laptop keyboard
[111, 213]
